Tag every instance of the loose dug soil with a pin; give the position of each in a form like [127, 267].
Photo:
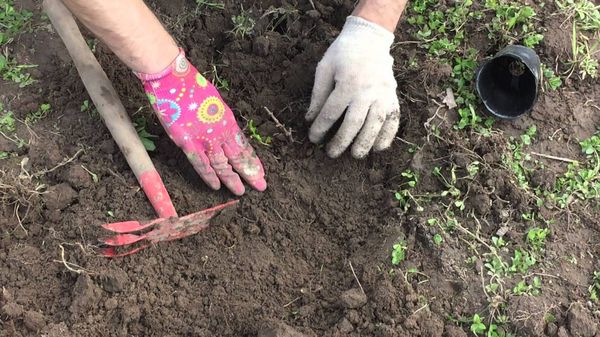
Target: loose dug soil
[282, 263]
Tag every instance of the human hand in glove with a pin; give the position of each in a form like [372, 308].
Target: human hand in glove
[203, 126]
[355, 76]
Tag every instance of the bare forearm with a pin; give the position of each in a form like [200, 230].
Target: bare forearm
[130, 30]
[385, 13]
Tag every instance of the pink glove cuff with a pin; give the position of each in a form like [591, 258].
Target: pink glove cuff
[179, 65]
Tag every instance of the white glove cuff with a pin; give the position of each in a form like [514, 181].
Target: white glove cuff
[358, 24]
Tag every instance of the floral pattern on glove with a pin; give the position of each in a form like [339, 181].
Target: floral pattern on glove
[195, 117]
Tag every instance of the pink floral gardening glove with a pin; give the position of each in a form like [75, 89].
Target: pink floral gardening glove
[203, 126]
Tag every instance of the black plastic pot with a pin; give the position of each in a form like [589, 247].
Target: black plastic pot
[509, 83]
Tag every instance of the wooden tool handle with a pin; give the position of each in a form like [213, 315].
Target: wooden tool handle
[109, 106]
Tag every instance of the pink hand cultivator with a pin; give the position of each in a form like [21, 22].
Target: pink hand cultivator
[168, 226]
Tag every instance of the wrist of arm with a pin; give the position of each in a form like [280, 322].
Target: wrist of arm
[385, 13]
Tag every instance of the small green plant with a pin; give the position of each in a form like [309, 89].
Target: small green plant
[243, 24]
[35, 116]
[536, 237]
[12, 21]
[399, 253]
[254, 134]
[284, 15]
[404, 195]
[92, 174]
[477, 325]
[89, 108]
[438, 239]
[513, 22]
[11, 71]
[522, 261]
[518, 161]
[584, 12]
[551, 80]
[145, 136]
[594, 289]
[7, 122]
[582, 180]
[533, 289]
[586, 25]
[210, 4]
[219, 82]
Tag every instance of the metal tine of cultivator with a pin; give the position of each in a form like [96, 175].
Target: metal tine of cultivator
[130, 226]
[124, 239]
[161, 230]
[112, 252]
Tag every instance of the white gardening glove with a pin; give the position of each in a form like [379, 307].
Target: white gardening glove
[356, 76]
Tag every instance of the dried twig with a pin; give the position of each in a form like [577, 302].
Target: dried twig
[547, 156]
[63, 163]
[286, 131]
[76, 269]
[356, 277]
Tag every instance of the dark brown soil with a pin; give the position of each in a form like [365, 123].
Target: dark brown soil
[283, 263]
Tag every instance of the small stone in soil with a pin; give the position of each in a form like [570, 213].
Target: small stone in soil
[353, 298]
[280, 330]
[34, 320]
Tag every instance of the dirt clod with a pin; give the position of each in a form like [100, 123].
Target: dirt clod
[581, 322]
[34, 320]
[353, 298]
[85, 295]
[12, 310]
[59, 196]
[454, 331]
[280, 330]
[57, 330]
[77, 177]
[261, 46]
[114, 281]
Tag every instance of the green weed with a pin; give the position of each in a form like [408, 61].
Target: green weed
[12, 71]
[89, 108]
[399, 253]
[582, 180]
[92, 174]
[202, 4]
[586, 25]
[533, 289]
[536, 238]
[243, 24]
[522, 261]
[584, 12]
[35, 116]
[477, 325]
[7, 122]
[219, 82]
[146, 137]
[594, 288]
[285, 14]
[12, 21]
[518, 161]
[404, 196]
[513, 22]
[551, 80]
[254, 134]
